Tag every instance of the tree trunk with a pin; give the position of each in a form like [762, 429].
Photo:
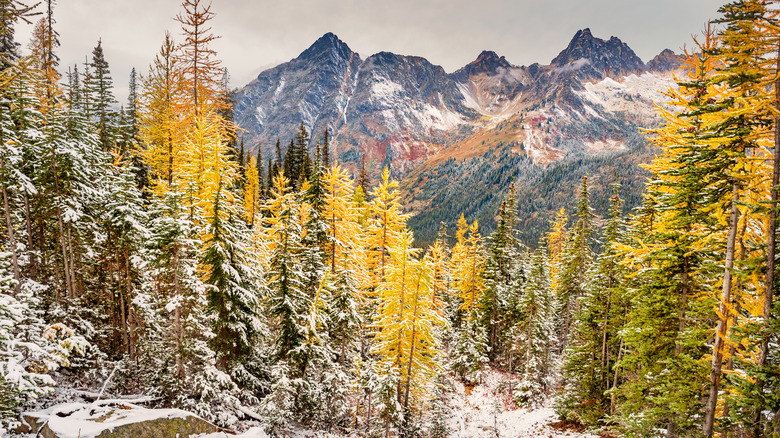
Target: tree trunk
[671, 429]
[720, 333]
[683, 306]
[72, 263]
[11, 241]
[28, 223]
[130, 314]
[411, 350]
[612, 397]
[61, 228]
[739, 288]
[605, 329]
[177, 323]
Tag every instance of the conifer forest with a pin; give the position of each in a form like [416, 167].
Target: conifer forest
[147, 256]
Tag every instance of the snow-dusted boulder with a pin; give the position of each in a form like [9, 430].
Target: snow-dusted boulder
[113, 419]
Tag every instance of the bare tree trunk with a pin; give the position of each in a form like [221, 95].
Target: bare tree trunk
[177, 323]
[605, 329]
[739, 288]
[671, 429]
[11, 241]
[720, 334]
[130, 314]
[411, 350]
[28, 223]
[61, 228]
[612, 396]
[73, 283]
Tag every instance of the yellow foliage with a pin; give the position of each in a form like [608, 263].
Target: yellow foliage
[251, 192]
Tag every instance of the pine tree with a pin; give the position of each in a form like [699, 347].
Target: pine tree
[288, 300]
[29, 348]
[590, 359]
[100, 87]
[232, 296]
[125, 227]
[262, 181]
[11, 11]
[498, 270]
[362, 179]
[326, 153]
[576, 259]
[665, 333]
[536, 334]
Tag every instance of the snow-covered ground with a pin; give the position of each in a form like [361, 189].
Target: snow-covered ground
[484, 410]
[488, 411]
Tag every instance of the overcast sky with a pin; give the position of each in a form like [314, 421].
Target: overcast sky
[258, 34]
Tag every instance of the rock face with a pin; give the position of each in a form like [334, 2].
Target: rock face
[113, 420]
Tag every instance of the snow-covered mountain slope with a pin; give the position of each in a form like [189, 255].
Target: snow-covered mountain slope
[409, 114]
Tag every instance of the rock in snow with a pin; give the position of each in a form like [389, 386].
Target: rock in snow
[113, 419]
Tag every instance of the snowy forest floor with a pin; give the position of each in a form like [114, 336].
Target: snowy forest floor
[487, 410]
[482, 411]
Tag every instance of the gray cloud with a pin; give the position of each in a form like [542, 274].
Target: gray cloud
[259, 34]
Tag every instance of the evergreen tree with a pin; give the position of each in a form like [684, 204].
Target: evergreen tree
[231, 296]
[11, 11]
[576, 259]
[325, 154]
[362, 179]
[100, 88]
[288, 299]
[589, 367]
[502, 252]
[665, 332]
[536, 335]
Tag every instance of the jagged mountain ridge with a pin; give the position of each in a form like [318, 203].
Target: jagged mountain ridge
[409, 114]
[400, 109]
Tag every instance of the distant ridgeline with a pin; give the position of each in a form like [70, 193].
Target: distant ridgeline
[458, 140]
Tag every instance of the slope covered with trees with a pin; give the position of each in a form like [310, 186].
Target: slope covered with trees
[144, 252]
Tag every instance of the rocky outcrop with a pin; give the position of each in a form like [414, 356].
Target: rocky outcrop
[113, 420]
[665, 61]
[594, 58]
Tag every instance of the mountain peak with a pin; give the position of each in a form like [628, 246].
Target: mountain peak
[583, 34]
[487, 62]
[665, 61]
[326, 44]
[607, 57]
